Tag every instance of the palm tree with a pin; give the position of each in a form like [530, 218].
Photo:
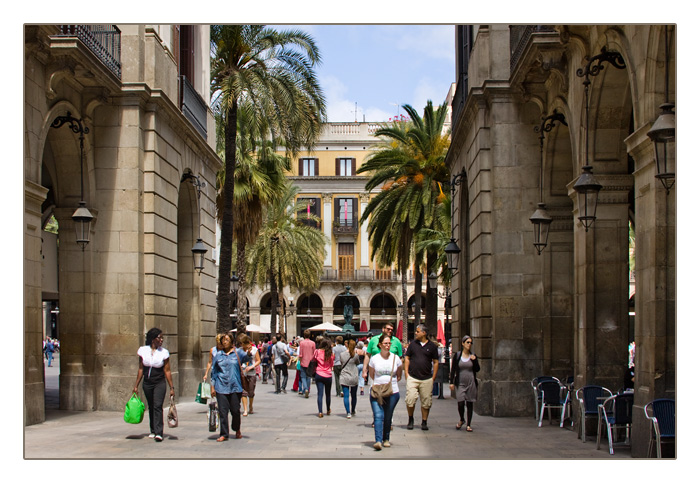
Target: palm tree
[410, 167]
[274, 72]
[287, 252]
[259, 180]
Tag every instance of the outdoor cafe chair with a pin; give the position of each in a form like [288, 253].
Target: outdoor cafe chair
[551, 397]
[588, 399]
[615, 412]
[534, 383]
[663, 422]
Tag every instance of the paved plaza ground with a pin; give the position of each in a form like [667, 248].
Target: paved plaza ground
[286, 426]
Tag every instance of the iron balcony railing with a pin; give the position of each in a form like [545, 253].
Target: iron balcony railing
[192, 106]
[363, 275]
[519, 37]
[103, 40]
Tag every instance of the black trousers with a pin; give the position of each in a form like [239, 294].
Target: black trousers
[281, 368]
[229, 403]
[154, 390]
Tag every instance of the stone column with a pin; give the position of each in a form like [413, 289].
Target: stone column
[328, 226]
[601, 273]
[364, 237]
[34, 196]
[655, 297]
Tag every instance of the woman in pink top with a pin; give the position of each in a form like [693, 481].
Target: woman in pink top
[324, 374]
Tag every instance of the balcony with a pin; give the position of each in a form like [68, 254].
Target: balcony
[344, 229]
[102, 40]
[522, 36]
[193, 106]
[363, 275]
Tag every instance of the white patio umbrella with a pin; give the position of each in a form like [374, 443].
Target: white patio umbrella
[324, 326]
[253, 328]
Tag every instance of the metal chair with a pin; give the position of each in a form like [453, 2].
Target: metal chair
[663, 422]
[588, 398]
[537, 394]
[615, 412]
[551, 397]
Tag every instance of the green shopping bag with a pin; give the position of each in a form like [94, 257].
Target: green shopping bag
[202, 395]
[134, 409]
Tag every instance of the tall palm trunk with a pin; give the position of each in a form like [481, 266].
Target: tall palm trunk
[404, 310]
[241, 306]
[431, 300]
[273, 294]
[417, 290]
[223, 299]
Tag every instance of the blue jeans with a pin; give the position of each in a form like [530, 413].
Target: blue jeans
[49, 355]
[347, 392]
[304, 381]
[323, 385]
[382, 416]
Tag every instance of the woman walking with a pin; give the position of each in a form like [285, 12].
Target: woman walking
[324, 375]
[465, 365]
[227, 387]
[212, 353]
[384, 368]
[249, 372]
[349, 379]
[154, 368]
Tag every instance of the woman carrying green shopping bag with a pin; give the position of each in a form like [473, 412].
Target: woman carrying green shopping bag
[154, 369]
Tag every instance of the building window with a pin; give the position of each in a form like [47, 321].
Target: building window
[345, 211]
[308, 167]
[312, 206]
[346, 261]
[345, 167]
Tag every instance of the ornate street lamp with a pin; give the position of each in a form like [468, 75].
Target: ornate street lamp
[82, 216]
[540, 219]
[586, 186]
[663, 133]
[235, 281]
[198, 251]
[452, 251]
[432, 281]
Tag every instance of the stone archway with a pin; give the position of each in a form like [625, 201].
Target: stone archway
[382, 308]
[187, 364]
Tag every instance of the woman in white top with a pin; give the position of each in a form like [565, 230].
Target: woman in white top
[384, 367]
[154, 368]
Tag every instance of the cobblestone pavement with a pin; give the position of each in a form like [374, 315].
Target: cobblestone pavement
[286, 426]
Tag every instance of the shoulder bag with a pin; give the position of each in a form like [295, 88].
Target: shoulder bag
[380, 391]
[172, 414]
[244, 380]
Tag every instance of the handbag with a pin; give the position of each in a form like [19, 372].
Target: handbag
[134, 409]
[244, 379]
[213, 417]
[311, 368]
[172, 414]
[380, 391]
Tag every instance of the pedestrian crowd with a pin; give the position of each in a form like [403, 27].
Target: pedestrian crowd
[235, 365]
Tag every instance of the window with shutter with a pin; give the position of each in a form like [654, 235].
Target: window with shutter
[345, 216]
[308, 167]
[345, 166]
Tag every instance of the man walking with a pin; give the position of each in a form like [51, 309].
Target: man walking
[338, 349]
[49, 348]
[373, 347]
[306, 354]
[420, 368]
[280, 358]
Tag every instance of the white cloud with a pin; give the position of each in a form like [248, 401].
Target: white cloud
[341, 109]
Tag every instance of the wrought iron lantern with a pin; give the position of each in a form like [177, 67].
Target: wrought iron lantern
[541, 221]
[452, 251]
[235, 281]
[198, 251]
[587, 188]
[432, 281]
[663, 135]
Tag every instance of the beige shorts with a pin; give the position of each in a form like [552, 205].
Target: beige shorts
[419, 388]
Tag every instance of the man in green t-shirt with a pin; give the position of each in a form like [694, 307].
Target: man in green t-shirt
[373, 346]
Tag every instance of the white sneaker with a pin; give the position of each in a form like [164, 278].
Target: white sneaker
[152, 435]
[348, 416]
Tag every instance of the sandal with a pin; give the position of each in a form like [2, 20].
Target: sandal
[459, 426]
[320, 415]
[239, 435]
[329, 412]
[469, 429]
[221, 438]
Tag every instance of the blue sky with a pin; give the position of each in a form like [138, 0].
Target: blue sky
[380, 66]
